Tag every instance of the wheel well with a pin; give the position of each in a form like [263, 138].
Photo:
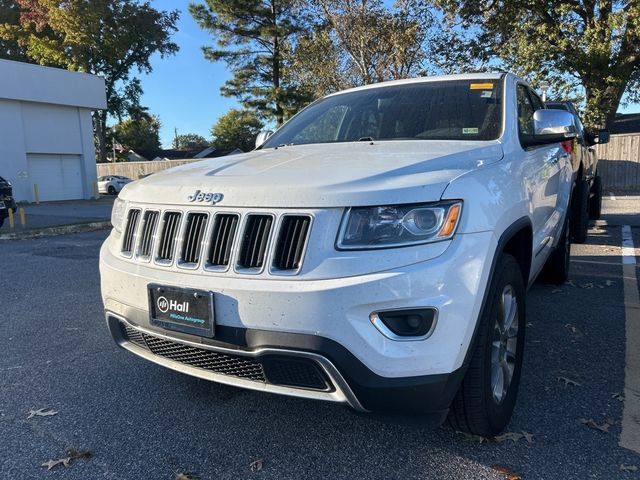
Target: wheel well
[520, 247]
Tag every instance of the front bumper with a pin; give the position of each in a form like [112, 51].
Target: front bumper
[326, 322]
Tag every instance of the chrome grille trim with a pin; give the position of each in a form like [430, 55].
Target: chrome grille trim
[129, 239]
[245, 242]
[147, 233]
[222, 240]
[192, 239]
[168, 237]
[256, 234]
[291, 243]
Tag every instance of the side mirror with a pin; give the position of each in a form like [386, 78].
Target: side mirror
[551, 126]
[602, 136]
[262, 137]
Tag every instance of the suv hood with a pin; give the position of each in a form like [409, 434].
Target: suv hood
[327, 175]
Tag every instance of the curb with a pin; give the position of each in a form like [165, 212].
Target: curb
[56, 230]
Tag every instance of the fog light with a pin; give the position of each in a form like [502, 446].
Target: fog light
[406, 324]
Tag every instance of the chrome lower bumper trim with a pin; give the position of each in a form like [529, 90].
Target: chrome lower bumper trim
[341, 394]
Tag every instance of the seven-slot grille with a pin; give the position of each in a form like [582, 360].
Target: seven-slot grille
[183, 237]
[130, 231]
[194, 233]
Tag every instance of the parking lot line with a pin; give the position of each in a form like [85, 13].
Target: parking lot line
[630, 436]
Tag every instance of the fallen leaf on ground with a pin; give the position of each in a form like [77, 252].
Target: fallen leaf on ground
[256, 465]
[41, 412]
[186, 476]
[515, 436]
[568, 381]
[571, 327]
[608, 283]
[570, 282]
[471, 437]
[556, 290]
[507, 472]
[628, 468]
[618, 396]
[69, 456]
[591, 423]
[586, 285]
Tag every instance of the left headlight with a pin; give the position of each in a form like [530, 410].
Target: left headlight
[117, 214]
[398, 225]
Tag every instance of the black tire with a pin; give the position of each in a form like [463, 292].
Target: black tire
[580, 212]
[1, 221]
[475, 409]
[556, 269]
[595, 202]
[111, 190]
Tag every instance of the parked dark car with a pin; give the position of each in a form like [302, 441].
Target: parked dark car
[587, 195]
[6, 199]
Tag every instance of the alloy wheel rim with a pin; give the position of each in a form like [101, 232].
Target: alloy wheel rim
[504, 345]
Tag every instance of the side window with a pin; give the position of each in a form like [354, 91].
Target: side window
[525, 112]
[537, 103]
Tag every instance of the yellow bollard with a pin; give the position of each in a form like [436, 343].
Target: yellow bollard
[23, 221]
[36, 193]
[11, 224]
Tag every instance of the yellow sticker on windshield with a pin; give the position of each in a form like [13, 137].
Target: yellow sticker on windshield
[481, 86]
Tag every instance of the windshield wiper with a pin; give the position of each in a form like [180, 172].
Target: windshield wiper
[365, 139]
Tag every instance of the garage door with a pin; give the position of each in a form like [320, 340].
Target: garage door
[59, 177]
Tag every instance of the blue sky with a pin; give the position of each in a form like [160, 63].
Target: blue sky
[184, 89]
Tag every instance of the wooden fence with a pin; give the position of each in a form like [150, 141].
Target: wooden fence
[619, 164]
[135, 170]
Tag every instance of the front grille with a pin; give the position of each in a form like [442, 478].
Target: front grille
[254, 241]
[194, 233]
[146, 237]
[213, 241]
[132, 223]
[276, 370]
[224, 231]
[168, 236]
[291, 242]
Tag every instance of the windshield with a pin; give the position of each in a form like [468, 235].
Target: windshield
[440, 110]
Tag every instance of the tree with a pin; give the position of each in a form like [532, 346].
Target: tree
[141, 133]
[575, 44]
[109, 38]
[252, 36]
[10, 49]
[190, 141]
[236, 129]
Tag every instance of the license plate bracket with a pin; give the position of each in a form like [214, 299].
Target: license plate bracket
[184, 310]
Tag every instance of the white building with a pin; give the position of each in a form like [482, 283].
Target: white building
[46, 132]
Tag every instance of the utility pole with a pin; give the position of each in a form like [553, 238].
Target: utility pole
[175, 137]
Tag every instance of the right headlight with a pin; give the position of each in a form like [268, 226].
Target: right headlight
[398, 225]
[117, 214]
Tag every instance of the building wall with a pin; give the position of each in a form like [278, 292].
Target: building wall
[30, 130]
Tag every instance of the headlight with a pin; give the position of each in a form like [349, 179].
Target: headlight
[117, 214]
[398, 225]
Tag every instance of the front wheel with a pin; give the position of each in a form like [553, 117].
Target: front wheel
[487, 396]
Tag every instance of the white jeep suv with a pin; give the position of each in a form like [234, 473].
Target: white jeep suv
[374, 251]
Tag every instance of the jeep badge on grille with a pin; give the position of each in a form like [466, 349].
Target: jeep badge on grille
[205, 197]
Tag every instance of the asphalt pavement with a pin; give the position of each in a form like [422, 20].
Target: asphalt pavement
[141, 421]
